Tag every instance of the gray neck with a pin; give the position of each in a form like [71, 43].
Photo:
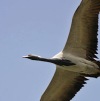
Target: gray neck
[56, 61]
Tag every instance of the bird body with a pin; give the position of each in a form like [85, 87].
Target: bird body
[78, 58]
[82, 65]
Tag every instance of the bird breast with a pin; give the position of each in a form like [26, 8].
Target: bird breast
[82, 65]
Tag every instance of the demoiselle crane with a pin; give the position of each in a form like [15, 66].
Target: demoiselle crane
[78, 58]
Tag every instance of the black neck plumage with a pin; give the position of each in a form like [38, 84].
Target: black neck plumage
[61, 62]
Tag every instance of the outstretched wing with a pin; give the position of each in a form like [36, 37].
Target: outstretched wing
[63, 86]
[82, 40]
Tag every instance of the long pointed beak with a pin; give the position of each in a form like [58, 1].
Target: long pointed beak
[31, 56]
[25, 56]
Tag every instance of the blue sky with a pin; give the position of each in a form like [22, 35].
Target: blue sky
[38, 27]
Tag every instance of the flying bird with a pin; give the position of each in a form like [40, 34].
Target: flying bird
[77, 60]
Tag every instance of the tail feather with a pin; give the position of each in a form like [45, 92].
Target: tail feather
[97, 62]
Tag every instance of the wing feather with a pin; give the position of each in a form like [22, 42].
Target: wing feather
[82, 40]
[63, 86]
